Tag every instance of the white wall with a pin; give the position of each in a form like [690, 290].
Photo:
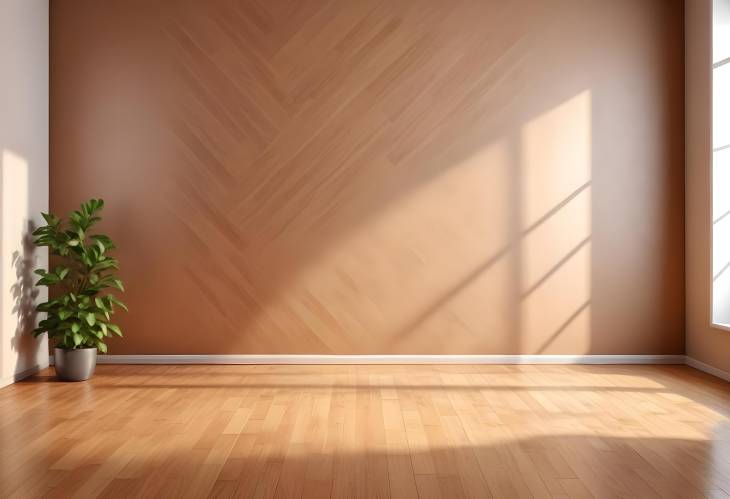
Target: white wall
[23, 179]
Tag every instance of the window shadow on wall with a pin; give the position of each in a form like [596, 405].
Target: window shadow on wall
[384, 179]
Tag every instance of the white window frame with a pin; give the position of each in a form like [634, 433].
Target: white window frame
[713, 149]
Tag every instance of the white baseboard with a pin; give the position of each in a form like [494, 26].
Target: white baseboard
[394, 359]
[701, 366]
[391, 359]
[9, 380]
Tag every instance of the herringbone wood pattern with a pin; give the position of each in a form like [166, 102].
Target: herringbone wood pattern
[311, 176]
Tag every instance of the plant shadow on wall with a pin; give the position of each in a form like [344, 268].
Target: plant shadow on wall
[19, 352]
[362, 179]
[24, 295]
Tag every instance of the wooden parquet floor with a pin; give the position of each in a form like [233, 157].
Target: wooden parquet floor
[368, 431]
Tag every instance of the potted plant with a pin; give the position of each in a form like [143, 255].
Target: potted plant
[80, 302]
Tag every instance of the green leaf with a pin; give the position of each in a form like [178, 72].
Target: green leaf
[106, 263]
[114, 299]
[48, 280]
[62, 272]
[80, 316]
[50, 218]
[120, 303]
[115, 329]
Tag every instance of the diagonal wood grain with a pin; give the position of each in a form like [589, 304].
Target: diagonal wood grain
[379, 176]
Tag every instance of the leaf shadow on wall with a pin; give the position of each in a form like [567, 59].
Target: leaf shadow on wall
[25, 297]
[19, 351]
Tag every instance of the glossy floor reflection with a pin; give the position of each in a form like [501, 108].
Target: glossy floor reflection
[368, 431]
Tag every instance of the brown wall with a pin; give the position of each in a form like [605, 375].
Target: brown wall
[705, 343]
[380, 177]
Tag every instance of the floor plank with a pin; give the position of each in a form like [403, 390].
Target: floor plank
[368, 431]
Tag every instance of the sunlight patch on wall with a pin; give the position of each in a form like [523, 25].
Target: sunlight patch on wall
[555, 251]
[14, 185]
[14, 213]
[428, 270]
[721, 238]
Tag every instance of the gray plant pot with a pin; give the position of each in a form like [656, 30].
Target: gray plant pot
[75, 365]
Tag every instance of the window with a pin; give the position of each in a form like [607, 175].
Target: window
[721, 163]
